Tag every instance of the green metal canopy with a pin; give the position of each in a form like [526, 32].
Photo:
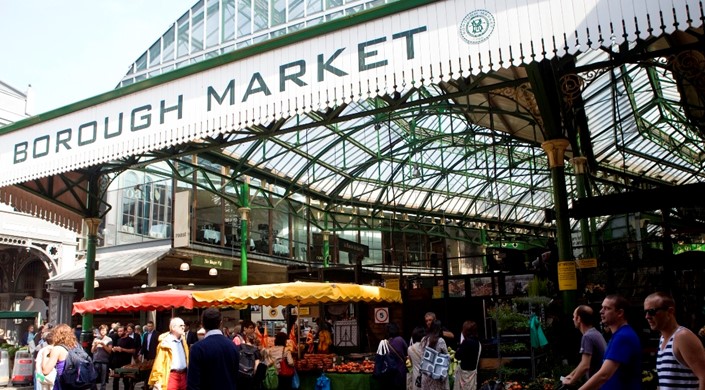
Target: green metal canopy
[463, 149]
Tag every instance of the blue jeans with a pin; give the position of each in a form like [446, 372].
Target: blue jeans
[102, 371]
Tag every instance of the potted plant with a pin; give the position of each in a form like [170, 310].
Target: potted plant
[508, 320]
[513, 349]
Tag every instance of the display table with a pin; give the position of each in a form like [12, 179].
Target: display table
[340, 381]
[135, 374]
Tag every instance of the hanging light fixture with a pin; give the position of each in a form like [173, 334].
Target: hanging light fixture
[96, 284]
[213, 272]
[184, 266]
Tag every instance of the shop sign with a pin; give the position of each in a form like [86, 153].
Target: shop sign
[381, 315]
[391, 284]
[413, 47]
[437, 292]
[567, 277]
[212, 262]
[586, 263]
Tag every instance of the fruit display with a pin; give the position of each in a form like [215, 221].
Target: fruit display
[365, 366]
[315, 361]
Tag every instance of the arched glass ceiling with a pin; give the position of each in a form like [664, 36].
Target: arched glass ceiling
[466, 149]
[213, 27]
[638, 124]
[422, 159]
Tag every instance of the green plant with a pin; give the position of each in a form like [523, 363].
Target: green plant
[533, 300]
[11, 349]
[513, 348]
[537, 287]
[512, 373]
[507, 319]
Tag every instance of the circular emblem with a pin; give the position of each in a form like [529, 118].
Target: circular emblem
[382, 315]
[273, 312]
[477, 26]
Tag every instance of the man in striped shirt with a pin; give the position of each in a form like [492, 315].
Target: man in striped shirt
[681, 357]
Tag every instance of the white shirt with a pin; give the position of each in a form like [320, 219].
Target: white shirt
[178, 360]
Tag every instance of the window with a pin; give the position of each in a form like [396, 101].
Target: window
[146, 207]
[261, 15]
[155, 53]
[244, 18]
[182, 44]
[141, 63]
[197, 27]
[168, 44]
[278, 12]
[228, 21]
[296, 9]
[314, 6]
[213, 23]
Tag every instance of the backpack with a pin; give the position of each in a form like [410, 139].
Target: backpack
[79, 372]
[271, 378]
[247, 360]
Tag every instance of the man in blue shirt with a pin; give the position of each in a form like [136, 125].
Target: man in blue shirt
[621, 369]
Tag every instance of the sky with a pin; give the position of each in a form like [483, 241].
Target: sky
[70, 50]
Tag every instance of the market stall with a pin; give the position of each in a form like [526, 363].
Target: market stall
[155, 300]
[351, 374]
[136, 372]
[297, 293]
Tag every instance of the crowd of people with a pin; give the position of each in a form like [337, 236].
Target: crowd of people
[431, 335]
[209, 359]
[680, 360]
[212, 358]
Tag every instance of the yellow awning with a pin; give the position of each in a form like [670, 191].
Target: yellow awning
[297, 293]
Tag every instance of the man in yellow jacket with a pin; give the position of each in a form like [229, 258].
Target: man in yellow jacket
[169, 369]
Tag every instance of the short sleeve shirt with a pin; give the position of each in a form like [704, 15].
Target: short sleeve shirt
[624, 348]
[101, 355]
[594, 345]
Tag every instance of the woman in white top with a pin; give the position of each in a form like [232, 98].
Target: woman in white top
[415, 353]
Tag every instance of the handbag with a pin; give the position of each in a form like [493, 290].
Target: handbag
[295, 382]
[435, 364]
[323, 383]
[467, 379]
[284, 368]
[385, 363]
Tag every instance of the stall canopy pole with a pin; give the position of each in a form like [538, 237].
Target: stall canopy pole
[298, 328]
[245, 242]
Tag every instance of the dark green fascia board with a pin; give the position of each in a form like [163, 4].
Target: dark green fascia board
[237, 55]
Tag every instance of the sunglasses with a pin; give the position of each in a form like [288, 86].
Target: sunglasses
[652, 312]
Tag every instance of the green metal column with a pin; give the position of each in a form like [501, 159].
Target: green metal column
[326, 242]
[580, 164]
[483, 243]
[244, 237]
[567, 276]
[88, 286]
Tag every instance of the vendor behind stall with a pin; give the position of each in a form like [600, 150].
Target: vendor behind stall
[122, 355]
